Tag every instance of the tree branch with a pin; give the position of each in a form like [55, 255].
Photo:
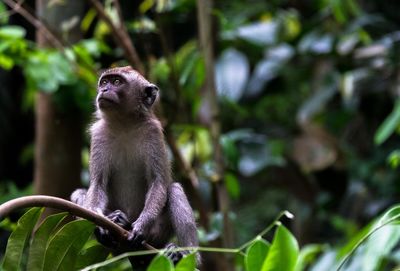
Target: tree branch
[17, 7]
[120, 35]
[65, 205]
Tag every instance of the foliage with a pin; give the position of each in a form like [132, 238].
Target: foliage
[54, 246]
[309, 110]
[50, 70]
[57, 246]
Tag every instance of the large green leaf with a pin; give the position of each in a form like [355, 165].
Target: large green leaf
[188, 263]
[91, 255]
[377, 240]
[19, 239]
[378, 248]
[283, 252]
[40, 241]
[256, 255]
[160, 263]
[65, 246]
[389, 125]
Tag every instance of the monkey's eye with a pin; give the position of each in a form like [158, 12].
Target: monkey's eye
[116, 82]
[103, 82]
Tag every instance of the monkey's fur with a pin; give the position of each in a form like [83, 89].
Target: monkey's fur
[130, 177]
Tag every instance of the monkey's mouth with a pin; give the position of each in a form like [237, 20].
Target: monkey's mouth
[105, 101]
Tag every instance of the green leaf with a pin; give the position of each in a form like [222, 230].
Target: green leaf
[232, 185]
[40, 241]
[19, 239]
[188, 263]
[256, 255]
[91, 255]
[4, 13]
[391, 216]
[88, 19]
[307, 255]
[6, 62]
[183, 55]
[389, 125]
[356, 238]
[146, 5]
[377, 248]
[283, 252]
[12, 31]
[47, 70]
[202, 143]
[353, 7]
[160, 263]
[338, 11]
[63, 249]
[394, 159]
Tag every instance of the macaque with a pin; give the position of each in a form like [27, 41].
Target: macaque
[130, 173]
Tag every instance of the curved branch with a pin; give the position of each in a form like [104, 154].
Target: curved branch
[64, 205]
[70, 207]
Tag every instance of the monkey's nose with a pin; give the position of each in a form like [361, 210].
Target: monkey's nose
[104, 90]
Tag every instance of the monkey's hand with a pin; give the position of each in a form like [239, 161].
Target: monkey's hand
[136, 236]
[120, 218]
[105, 237]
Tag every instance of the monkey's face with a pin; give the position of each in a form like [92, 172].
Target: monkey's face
[110, 91]
[124, 91]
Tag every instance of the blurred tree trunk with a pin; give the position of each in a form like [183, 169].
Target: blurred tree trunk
[209, 115]
[59, 134]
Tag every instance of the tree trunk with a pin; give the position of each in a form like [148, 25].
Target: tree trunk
[209, 114]
[58, 135]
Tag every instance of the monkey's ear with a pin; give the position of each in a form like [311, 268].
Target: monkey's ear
[150, 94]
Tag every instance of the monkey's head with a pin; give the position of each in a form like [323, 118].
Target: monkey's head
[124, 91]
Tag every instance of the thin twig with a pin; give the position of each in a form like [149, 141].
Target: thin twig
[41, 25]
[120, 36]
[12, 12]
[17, 7]
[119, 12]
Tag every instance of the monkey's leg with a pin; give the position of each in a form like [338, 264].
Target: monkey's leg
[79, 196]
[182, 220]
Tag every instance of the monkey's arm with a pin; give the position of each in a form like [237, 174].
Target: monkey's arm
[156, 199]
[158, 179]
[96, 199]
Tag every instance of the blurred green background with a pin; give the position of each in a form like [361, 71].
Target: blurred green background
[307, 110]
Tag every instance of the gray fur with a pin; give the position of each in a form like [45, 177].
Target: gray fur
[129, 167]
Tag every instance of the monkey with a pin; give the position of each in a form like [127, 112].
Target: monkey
[130, 173]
